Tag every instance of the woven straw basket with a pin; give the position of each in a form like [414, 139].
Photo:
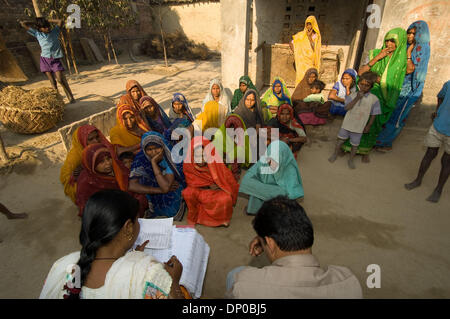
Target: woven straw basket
[29, 121]
[44, 109]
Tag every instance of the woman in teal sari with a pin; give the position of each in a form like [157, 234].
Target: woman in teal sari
[418, 53]
[275, 174]
[389, 63]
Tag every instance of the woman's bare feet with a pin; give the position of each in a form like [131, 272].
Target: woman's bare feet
[365, 158]
[383, 149]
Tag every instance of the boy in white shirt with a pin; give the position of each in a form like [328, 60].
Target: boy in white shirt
[361, 107]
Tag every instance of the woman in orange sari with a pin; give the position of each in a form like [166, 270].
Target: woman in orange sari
[134, 93]
[129, 128]
[103, 170]
[82, 137]
[211, 190]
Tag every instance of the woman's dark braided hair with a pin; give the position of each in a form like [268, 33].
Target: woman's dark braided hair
[104, 215]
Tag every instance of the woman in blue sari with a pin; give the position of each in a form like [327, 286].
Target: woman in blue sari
[181, 116]
[154, 173]
[154, 114]
[418, 53]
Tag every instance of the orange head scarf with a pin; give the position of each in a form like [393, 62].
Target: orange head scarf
[127, 98]
[126, 108]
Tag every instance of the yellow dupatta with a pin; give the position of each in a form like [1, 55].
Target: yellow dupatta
[305, 57]
[209, 117]
[73, 160]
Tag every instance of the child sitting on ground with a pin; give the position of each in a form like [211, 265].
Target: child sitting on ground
[361, 106]
[313, 110]
[127, 159]
[316, 96]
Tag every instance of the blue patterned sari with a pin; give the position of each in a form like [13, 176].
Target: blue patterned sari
[170, 204]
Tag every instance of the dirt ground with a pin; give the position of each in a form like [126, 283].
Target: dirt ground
[360, 217]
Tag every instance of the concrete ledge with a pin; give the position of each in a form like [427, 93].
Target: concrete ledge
[104, 121]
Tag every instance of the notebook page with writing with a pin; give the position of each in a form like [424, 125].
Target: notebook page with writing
[193, 253]
[157, 231]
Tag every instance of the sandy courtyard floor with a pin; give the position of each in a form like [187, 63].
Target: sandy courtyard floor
[360, 217]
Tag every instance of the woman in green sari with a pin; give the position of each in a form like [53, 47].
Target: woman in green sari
[389, 63]
[275, 96]
[235, 149]
[245, 83]
[275, 174]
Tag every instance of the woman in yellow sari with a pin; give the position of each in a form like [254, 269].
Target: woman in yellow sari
[213, 116]
[82, 137]
[306, 45]
[129, 128]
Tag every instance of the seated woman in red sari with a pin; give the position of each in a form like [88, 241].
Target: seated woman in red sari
[291, 128]
[211, 189]
[102, 170]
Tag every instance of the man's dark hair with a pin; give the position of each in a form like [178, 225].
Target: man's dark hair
[369, 76]
[285, 221]
[126, 155]
[42, 23]
[318, 84]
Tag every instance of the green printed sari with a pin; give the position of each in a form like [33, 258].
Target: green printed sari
[392, 72]
[239, 153]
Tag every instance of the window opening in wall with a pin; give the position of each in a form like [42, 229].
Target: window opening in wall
[311, 8]
[289, 8]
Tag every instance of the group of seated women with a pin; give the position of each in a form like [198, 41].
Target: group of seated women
[139, 156]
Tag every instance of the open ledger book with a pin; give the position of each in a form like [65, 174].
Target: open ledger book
[166, 240]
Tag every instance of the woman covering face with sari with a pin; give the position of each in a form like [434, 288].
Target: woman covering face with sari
[133, 95]
[290, 127]
[154, 173]
[211, 190]
[129, 128]
[217, 93]
[418, 55]
[389, 63]
[245, 83]
[275, 174]
[307, 48]
[275, 96]
[82, 137]
[102, 170]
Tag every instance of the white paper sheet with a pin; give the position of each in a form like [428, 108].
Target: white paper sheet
[193, 253]
[157, 231]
